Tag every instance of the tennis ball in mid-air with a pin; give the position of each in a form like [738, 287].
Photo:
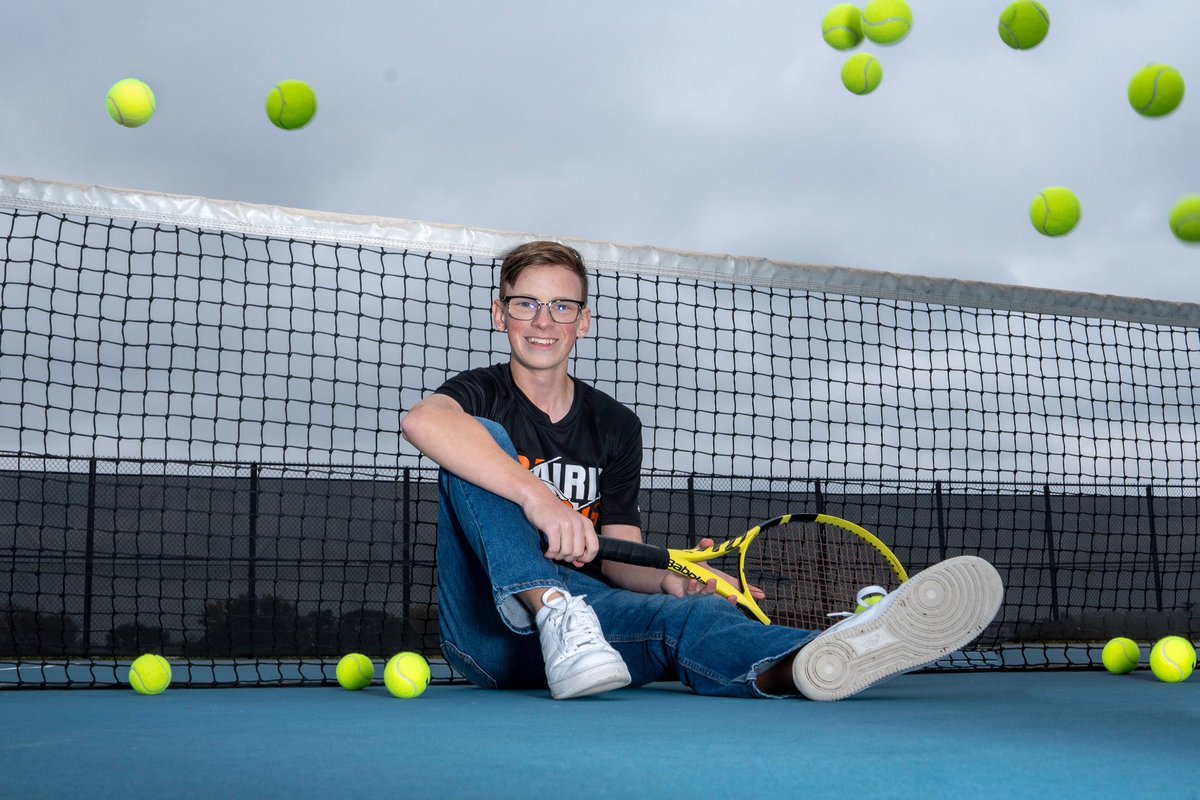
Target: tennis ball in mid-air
[355, 672]
[291, 104]
[842, 26]
[1185, 219]
[1156, 90]
[406, 675]
[1055, 211]
[1024, 24]
[130, 103]
[862, 73]
[150, 674]
[1121, 655]
[1173, 659]
[886, 21]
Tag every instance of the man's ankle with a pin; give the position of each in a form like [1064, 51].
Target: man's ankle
[777, 680]
[534, 599]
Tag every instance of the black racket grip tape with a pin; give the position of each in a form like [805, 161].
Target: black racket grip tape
[627, 552]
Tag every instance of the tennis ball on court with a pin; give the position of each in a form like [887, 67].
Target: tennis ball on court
[1055, 211]
[355, 672]
[1173, 659]
[886, 21]
[1185, 219]
[406, 675]
[130, 103]
[150, 674]
[862, 73]
[1024, 24]
[1121, 655]
[1156, 90]
[291, 105]
[842, 27]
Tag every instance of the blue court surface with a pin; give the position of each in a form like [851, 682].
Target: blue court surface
[1061, 734]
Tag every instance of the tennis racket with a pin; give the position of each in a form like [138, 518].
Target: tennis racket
[811, 567]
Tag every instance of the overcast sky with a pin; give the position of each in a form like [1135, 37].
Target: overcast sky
[700, 125]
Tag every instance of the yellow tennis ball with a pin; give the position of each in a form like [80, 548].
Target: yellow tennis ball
[150, 674]
[1055, 211]
[1185, 219]
[1121, 655]
[1156, 90]
[1024, 24]
[842, 27]
[867, 602]
[406, 675]
[291, 105]
[1173, 659]
[862, 73]
[130, 103]
[886, 21]
[355, 672]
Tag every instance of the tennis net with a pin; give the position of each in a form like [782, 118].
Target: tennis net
[199, 408]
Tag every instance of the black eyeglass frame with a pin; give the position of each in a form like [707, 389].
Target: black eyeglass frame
[538, 304]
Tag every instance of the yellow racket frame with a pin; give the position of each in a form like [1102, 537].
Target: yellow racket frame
[687, 562]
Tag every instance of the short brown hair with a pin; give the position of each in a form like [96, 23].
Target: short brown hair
[542, 254]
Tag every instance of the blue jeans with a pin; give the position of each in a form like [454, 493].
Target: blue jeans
[487, 552]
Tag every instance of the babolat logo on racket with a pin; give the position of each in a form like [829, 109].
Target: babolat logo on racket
[685, 569]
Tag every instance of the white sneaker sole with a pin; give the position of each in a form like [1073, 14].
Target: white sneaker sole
[934, 613]
[600, 678]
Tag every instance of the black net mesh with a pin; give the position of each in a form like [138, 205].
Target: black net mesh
[203, 457]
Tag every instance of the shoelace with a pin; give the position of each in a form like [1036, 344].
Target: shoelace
[577, 624]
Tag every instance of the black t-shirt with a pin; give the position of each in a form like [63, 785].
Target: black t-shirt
[591, 458]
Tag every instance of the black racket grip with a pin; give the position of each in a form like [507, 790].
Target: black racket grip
[627, 552]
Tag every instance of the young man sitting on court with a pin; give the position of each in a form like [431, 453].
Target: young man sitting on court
[524, 447]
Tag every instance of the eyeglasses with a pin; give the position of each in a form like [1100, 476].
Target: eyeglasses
[563, 312]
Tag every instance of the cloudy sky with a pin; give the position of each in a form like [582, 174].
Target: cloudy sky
[700, 125]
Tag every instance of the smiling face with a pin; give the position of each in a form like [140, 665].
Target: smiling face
[541, 346]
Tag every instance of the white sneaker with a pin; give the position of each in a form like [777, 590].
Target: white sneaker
[578, 659]
[932, 614]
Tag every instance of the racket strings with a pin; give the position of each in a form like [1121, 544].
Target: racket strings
[810, 571]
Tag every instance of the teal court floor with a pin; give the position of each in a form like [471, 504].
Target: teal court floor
[983, 734]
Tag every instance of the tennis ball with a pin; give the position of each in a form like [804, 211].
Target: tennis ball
[886, 21]
[867, 602]
[291, 105]
[842, 27]
[1173, 659]
[862, 73]
[130, 103]
[1024, 24]
[1185, 219]
[1121, 655]
[406, 675]
[355, 672]
[1156, 90]
[1055, 211]
[150, 674]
